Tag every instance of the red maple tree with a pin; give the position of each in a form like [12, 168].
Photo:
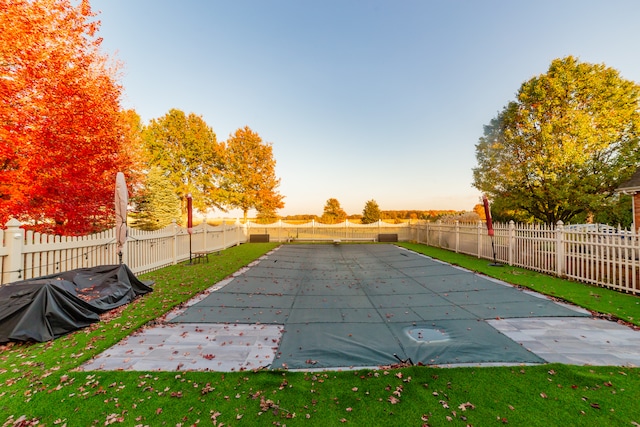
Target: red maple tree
[61, 137]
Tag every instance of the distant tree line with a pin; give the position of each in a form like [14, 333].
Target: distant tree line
[333, 213]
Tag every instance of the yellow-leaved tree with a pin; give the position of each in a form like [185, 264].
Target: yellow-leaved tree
[247, 179]
[185, 148]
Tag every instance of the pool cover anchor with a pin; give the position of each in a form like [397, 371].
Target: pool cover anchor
[404, 362]
[495, 263]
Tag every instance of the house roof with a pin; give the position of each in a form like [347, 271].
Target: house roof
[632, 185]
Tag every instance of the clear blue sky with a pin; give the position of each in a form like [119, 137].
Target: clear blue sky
[361, 100]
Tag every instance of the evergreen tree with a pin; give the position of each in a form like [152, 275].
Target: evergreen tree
[157, 204]
[371, 212]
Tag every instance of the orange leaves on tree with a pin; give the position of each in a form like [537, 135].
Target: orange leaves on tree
[60, 143]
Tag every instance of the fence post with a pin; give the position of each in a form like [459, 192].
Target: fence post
[279, 229]
[14, 241]
[224, 234]
[175, 241]
[457, 235]
[560, 258]
[512, 242]
[204, 234]
[427, 231]
[479, 237]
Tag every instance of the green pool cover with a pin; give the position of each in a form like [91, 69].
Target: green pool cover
[367, 305]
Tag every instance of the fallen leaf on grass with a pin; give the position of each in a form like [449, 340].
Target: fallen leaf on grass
[398, 391]
[466, 405]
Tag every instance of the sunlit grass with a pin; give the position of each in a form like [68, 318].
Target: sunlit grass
[550, 395]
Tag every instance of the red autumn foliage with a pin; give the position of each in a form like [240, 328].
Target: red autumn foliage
[61, 141]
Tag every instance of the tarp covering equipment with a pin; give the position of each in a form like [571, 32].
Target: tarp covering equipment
[48, 307]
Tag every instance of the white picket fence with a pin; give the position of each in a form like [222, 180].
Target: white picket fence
[26, 255]
[609, 258]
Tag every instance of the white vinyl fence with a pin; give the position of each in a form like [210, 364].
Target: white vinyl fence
[605, 257]
[608, 258]
[25, 254]
[316, 232]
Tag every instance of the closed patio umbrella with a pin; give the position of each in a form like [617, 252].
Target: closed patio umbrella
[487, 214]
[490, 232]
[122, 200]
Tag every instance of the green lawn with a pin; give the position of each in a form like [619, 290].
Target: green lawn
[39, 384]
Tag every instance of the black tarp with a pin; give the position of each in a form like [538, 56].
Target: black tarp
[48, 307]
